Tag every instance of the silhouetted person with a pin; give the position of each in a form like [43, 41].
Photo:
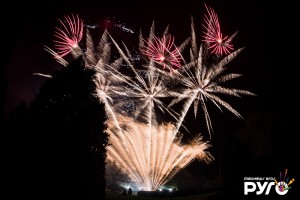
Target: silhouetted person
[129, 191]
[124, 193]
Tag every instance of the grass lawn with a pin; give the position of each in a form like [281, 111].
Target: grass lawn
[118, 196]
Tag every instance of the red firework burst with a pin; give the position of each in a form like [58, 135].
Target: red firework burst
[68, 37]
[213, 35]
[163, 51]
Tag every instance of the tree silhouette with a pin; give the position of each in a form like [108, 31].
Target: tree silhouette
[68, 129]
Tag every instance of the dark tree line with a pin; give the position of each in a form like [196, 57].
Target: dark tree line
[57, 143]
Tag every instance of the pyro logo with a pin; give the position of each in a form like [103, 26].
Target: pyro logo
[263, 185]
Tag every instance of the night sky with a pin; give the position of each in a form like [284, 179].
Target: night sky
[266, 62]
[29, 27]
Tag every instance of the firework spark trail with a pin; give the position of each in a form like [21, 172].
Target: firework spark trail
[133, 159]
[190, 152]
[57, 57]
[169, 156]
[104, 90]
[202, 83]
[106, 81]
[146, 90]
[213, 35]
[133, 163]
[68, 37]
[67, 40]
[43, 75]
[162, 50]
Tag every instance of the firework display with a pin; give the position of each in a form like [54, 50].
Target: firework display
[150, 151]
